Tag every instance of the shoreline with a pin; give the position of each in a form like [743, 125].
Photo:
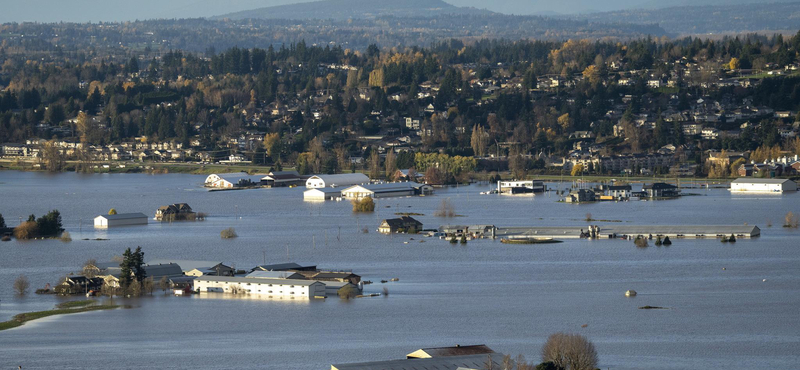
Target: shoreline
[207, 169]
[61, 309]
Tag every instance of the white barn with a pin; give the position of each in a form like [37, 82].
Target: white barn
[338, 180]
[321, 194]
[754, 185]
[386, 190]
[120, 219]
[283, 288]
[230, 180]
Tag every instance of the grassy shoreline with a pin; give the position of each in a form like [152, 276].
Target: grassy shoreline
[61, 309]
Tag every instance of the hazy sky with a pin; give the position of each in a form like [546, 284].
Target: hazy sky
[121, 10]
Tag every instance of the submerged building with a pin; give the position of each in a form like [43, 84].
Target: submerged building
[751, 185]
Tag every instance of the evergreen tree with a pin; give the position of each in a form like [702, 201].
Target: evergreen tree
[126, 274]
[137, 266]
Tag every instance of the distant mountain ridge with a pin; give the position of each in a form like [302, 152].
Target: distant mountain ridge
[358, 9]
[709, 19]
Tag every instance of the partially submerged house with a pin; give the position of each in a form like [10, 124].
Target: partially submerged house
[661, 190]
[580, 196]
[175, 212]
[403, 224]
[197, 268]
[520, 187]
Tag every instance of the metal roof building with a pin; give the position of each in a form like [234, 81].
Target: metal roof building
[385, 190]
[120, 219]
[476, 362]
[337, 180]
[755, 185]
[321, 194]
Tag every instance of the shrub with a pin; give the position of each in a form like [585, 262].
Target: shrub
[640, 242]
[446, 209]
[66, 237]
[790, 220]
[667, 241]
[228, 233]
[570, 351]
[588, 217]
[201, 216]
[112, 211]
[21, 285]
[453, 240]
[363, 205]
[463, 239]
[26, 230]
[2, 222]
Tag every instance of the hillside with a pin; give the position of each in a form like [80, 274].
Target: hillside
[709, 19]
[347, 9]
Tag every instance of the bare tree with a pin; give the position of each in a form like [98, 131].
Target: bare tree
[148, 285]
[790, 220]
[446, 209]
[21, 285]
[570, 351]
[163, 284]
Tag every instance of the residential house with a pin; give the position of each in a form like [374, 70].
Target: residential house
[403, 224]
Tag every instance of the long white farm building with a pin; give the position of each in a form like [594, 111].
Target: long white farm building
[284, 288]
[337, 180]
[121, 219]
[390, 189]
[753, 185]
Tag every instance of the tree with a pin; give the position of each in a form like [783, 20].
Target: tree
[52, 157]
[112, 211]
[272, 144]
[734, 64]
[374, 163]
[446, 209]
[391, 165]
[21, 285]
[138, 265]
[2, 222]
[577, 169]
[49, 224]
[479, 140]
[25, 230]
[126, 272]
[365, 204]
[163, 284]
[570, 351]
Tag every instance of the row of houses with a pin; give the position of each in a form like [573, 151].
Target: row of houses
[279, 280]
[622, 192]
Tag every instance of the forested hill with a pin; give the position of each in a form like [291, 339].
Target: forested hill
[347, 9]
[710, 19]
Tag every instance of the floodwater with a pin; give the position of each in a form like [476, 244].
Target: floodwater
[510, 297]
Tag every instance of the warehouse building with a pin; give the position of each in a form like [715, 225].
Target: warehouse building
[320, 194]
[286, 288]
[751, 185]
[386, 190]
[121, 219]
[338, 180]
